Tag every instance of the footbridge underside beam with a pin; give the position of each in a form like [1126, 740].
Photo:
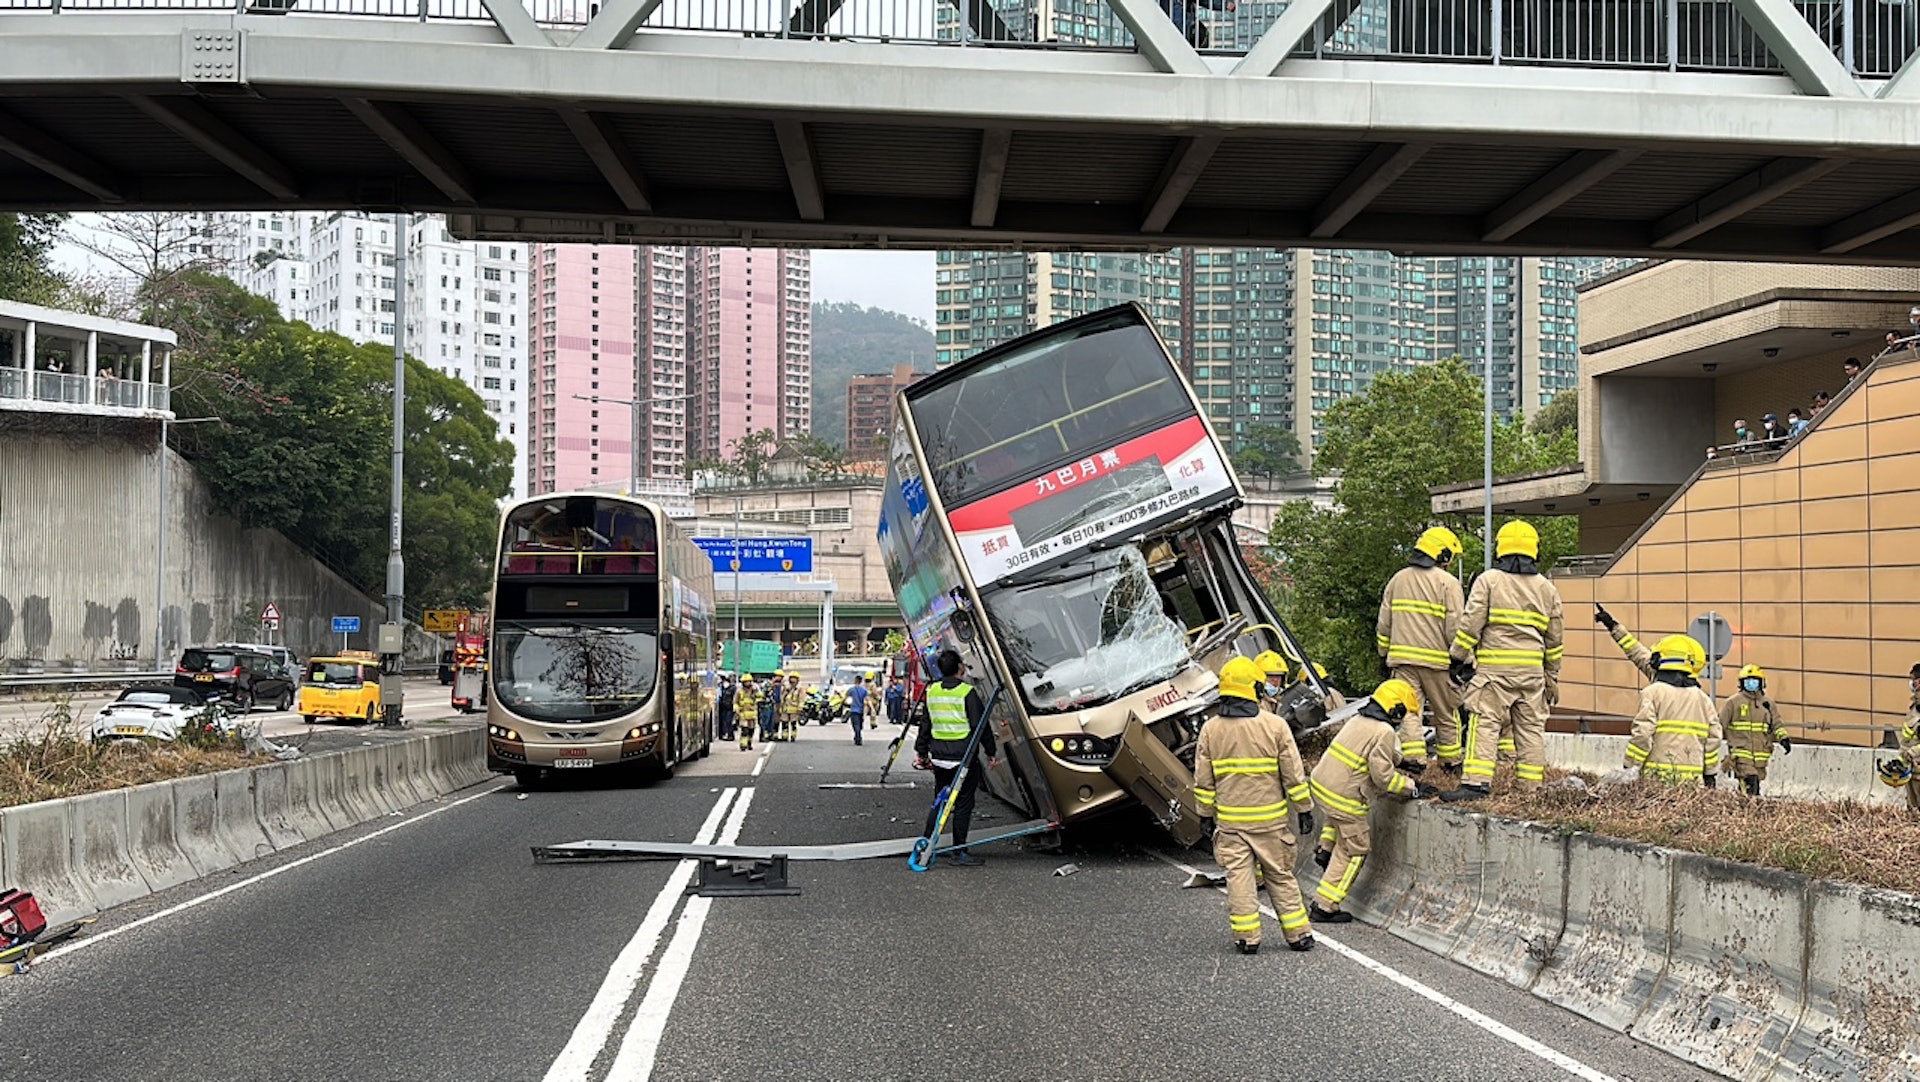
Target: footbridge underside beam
[680, 138]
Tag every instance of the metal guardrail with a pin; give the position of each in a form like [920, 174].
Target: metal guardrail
[71, 389]
[1871, 38]
[20, 681]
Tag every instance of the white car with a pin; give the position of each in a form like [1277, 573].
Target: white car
[154, 712]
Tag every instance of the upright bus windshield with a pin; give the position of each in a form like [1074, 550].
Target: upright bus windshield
[573, 670]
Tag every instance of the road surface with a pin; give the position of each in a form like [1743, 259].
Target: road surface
[430, 946]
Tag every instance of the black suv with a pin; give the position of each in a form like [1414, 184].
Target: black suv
[242, 677]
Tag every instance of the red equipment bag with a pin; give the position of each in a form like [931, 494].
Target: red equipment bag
[20, 918]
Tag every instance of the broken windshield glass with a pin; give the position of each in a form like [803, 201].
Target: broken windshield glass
[1090, 631]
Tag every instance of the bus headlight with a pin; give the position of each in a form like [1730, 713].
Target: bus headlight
[502, 732]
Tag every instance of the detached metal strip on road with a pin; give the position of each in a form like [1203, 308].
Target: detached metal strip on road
[1491, 1025]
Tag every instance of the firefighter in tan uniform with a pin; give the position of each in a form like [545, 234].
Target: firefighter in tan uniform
[1360, 766]
[746, 706]
[1676, 733]
[1292, 770]
[1507, 654]
[1419, 616]
[792, 702]
[1752, 727]
[1245, 766]
[1904, 771]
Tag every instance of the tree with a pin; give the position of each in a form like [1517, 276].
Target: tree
[751, 455]
[1268, 451]
[26, 258]
[305, 444]
[1410, 431]
[167, 255]
[1560, 415]
[823, 457]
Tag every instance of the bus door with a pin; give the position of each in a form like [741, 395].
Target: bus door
[1150, 771]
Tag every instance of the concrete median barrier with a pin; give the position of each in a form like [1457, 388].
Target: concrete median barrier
[356, 784]
[238, 826]
[1523, 902]
[1449, 850]
[196, 825]
[151, 841]
[1619, 923]
[329, 792]
[440, 768]
[304, 810]
[1812, 772]
[410, 770]
[271, 802]
[100, 848]
[39, 857]
[1862, 1016]
[1389, 872]
[1734, 981]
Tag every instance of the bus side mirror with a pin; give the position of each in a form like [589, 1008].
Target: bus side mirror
[963, 626]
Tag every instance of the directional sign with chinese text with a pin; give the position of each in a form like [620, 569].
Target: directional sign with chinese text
[443, 621]
[756, 555]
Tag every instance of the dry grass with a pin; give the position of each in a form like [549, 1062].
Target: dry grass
[1872, 845]
[58, 760]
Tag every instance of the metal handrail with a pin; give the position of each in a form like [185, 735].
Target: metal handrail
[1870, 39]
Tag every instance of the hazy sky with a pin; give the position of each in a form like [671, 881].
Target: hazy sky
[898, 281]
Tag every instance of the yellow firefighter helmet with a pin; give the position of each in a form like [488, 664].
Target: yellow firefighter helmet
[1271, 663]
[1681, 653]
[1437, 543]
[1398, 695]
[1517, 539]
[1239, 676]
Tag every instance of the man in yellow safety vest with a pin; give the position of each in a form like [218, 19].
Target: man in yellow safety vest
[954, 708]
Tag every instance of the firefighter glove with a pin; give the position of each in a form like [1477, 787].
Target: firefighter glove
[1323, 857]
[1713, 781]
[1305, 820]
[1604, 618]
[1461, 673]
[1553, 692]
[1786, 745]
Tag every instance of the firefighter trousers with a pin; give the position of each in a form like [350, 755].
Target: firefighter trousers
[1248, 860]
[1352, 841]
[1913, 796]
[1440, 701]
[1499, 710]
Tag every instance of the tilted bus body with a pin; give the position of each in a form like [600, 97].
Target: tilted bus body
[601, 627]
[1058, 509]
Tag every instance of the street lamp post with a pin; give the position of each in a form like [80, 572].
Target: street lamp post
[160, 558]
[633, 409]
[390, 695]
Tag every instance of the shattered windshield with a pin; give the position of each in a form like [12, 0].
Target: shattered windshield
[1087, 631]
[573, 671]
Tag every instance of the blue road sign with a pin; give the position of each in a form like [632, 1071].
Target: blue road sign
[758, 555]
[346, 625]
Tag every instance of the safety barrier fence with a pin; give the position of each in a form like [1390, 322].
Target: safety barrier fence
[1871, 38]
[82, 854]
[1749, 972]
[75, 389]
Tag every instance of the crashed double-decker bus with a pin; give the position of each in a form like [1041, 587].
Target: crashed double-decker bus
[1059, 510]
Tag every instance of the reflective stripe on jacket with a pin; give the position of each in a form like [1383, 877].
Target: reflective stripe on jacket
[1676, 734]
[1246, 769]
[1359, 766]
[1512, 622]
[1419, 616]
[1635, 650]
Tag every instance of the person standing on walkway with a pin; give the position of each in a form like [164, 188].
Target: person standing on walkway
[954, 709]
[1419, 616]
[1752, 727]
[896, 699]
[726, 708]
[792, 702]
[1905, 770]
[769, 702]
[857, 705]
[1246, 776]
[746, 706]
[1360, 766]
[1507, 655]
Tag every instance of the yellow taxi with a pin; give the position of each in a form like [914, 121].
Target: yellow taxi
[346, 685]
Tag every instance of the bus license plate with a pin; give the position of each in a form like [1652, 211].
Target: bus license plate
[565, 761]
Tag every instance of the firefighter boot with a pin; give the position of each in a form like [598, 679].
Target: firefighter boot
[1751, 785]
[1246, 947]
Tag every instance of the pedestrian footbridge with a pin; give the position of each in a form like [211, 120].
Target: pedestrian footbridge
[1784, 129]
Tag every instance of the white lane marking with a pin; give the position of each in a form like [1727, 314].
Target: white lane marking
[101, 937]
[1493, 1026]
[595, 1028]
[760, 763]
[642, 1043]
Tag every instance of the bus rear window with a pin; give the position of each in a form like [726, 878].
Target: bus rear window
[1055, 399]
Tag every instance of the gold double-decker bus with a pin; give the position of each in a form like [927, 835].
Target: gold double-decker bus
[1059, 510]
[602, 626]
